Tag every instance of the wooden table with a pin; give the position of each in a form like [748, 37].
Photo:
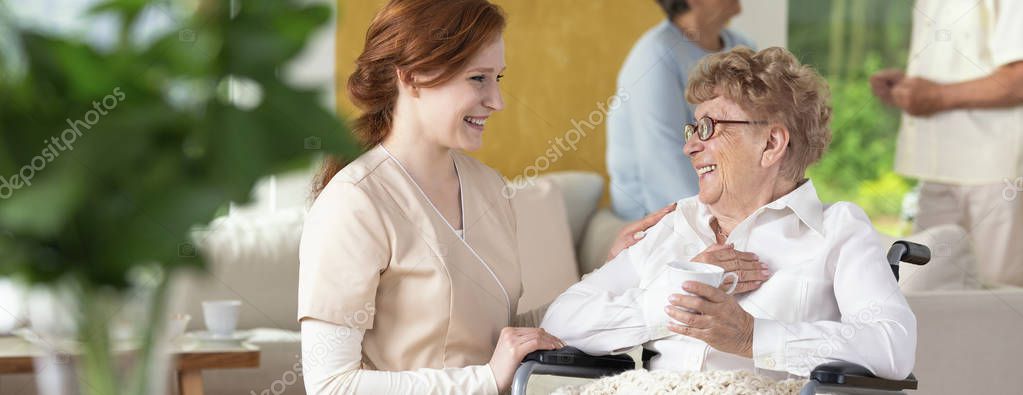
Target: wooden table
[17, 354]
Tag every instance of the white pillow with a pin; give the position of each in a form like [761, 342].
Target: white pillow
[279, 192]
[12, 305]
[251, 257]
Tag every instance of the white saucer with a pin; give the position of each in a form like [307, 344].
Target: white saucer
[206, 336]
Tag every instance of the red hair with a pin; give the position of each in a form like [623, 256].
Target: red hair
[416, 37]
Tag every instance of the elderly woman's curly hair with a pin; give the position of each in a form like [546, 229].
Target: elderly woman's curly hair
[773, 85]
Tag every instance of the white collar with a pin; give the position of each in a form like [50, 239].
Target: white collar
[803, 201]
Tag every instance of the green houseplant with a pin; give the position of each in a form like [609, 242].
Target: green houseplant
[108, 156]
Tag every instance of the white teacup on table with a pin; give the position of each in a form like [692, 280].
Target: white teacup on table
[680, 272]
[221, 317]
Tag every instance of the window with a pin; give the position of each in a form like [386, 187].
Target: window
[847, 41]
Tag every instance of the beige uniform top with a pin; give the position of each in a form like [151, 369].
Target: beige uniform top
[377, 255]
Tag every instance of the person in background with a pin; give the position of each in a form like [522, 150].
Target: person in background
[962, 127]
[647, 169]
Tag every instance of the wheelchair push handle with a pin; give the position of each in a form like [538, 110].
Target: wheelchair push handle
[909, 252]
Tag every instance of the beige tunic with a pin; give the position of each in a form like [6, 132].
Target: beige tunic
[377, 255]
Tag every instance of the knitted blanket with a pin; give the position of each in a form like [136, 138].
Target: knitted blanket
[668, 382]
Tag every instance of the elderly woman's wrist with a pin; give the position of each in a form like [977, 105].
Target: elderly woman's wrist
[747, 344]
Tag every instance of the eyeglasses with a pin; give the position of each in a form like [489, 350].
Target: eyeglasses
[704, 128]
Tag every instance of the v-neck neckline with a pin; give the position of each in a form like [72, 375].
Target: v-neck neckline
[464, 230]
[459, 233]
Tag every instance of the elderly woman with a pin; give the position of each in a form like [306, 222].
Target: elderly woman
[762, 120]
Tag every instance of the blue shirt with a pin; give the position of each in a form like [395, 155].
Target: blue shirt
[645, 160]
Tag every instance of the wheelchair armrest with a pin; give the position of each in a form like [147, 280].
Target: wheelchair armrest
[571, 356]
[850, 375]
[568, 361]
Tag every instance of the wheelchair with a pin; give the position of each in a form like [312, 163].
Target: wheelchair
[831, 377]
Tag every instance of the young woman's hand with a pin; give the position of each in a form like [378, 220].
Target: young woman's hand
[634, 232]
[512, 346]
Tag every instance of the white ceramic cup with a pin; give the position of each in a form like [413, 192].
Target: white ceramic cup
[680, 272]
[221, 316]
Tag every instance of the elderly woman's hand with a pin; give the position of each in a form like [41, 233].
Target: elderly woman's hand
[752, 273]
[634, 232]
[714, 317]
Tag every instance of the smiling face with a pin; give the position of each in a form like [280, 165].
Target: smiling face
[729, 164]
[454, 113]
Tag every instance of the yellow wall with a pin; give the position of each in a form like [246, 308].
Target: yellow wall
[563, 57]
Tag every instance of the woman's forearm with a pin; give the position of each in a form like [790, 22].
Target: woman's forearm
[606, 312]
[601, 323]
[886, 347]
[332, 361]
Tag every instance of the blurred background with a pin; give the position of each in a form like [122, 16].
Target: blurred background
[563, 57]
[231, 105]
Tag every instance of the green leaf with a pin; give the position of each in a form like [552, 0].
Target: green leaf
[164, 153]
[43, 203]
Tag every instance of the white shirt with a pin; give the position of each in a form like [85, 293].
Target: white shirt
[831, 297]
[955, 41]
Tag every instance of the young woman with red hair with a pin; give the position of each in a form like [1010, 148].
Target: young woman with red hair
[409, 278]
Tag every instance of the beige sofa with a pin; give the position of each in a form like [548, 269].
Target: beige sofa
[969, 339]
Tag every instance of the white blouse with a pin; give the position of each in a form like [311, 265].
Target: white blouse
[831, 296]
